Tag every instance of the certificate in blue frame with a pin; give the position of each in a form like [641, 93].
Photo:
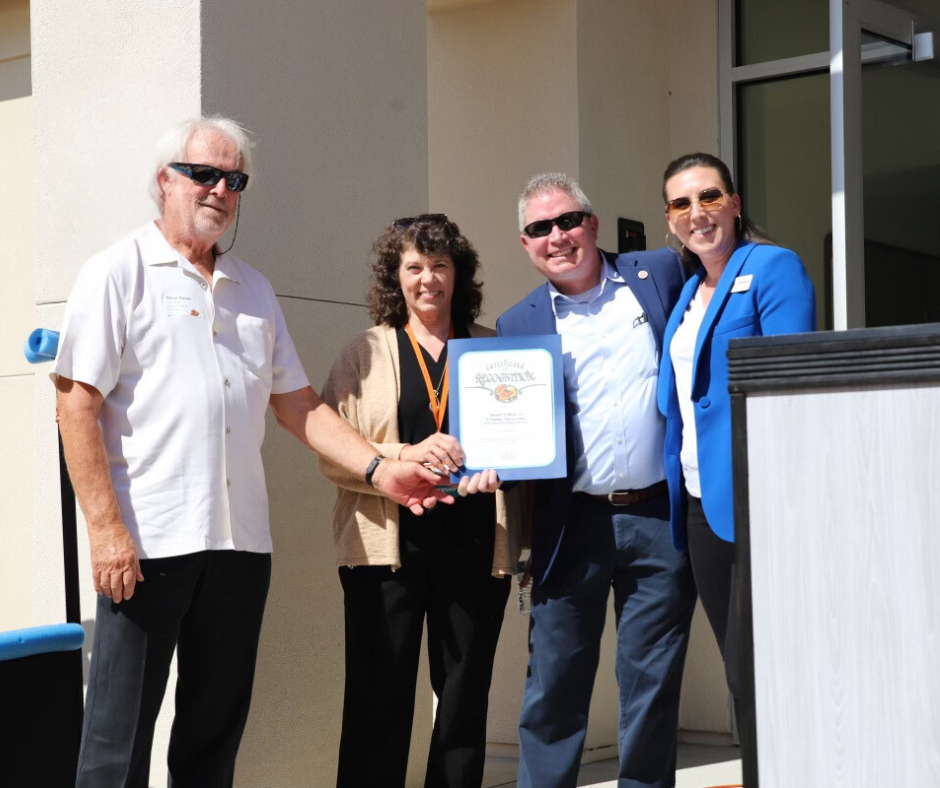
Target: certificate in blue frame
[507, 406]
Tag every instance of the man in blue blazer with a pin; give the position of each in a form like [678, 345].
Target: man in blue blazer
[606, 525]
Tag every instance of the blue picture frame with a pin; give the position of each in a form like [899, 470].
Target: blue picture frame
[509, 377]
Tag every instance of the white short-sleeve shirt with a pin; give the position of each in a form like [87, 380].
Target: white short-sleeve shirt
[186, 373]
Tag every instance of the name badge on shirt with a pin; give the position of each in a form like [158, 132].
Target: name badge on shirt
[179, 305]
[742, 284]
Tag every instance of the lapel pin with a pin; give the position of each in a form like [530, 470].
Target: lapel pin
[643, 274]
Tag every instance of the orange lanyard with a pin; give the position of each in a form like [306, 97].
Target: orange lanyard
[437, 407]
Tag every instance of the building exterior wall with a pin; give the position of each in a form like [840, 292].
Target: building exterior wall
[16, 305]
[363, 112]
[609, 92]
[106, 85]
[336, 94]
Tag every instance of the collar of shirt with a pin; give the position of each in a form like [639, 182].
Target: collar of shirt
[562, 304]
[156, 250]
[611, 369]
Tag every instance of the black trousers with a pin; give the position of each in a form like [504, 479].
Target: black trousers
[385, 614]
[209, 607]
[715, 575]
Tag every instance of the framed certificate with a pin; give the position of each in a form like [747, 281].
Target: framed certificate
[506, 405]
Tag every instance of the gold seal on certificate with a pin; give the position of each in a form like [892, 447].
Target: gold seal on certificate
[506, 405]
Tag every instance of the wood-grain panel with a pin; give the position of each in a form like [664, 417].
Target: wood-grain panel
[845, 546]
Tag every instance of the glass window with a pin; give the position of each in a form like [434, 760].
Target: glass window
[784, 161]
[901, 172]
[771, 30]
[927, 8]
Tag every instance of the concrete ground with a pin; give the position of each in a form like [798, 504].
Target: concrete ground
[699, 766]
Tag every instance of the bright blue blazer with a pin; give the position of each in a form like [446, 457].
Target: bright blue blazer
[779, 300]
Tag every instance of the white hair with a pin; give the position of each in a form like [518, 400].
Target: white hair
[547, 182]
[173, 143]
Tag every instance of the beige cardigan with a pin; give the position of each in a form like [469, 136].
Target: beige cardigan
[364, 387]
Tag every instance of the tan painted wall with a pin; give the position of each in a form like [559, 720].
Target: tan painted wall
[502, 105]
[608, 91]
[336, 95]
[502, 88]
[16, 306]
[477, 101]
[105, 85]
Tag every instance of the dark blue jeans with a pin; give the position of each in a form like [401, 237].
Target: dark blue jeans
[628, 549]
[209, 607]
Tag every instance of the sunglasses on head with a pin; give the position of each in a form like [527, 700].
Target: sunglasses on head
[565, 222]
[708, 200]
[421, 218]
[204, 175]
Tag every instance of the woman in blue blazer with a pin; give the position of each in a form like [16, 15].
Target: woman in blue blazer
[742, 286]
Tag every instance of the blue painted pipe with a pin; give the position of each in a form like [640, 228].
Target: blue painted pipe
[16, 643]
[41, 346]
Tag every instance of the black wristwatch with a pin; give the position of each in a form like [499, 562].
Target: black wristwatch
[370, 471]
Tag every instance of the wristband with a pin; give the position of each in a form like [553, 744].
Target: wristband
[370, 471]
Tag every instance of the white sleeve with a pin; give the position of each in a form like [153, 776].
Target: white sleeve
[94, 329]
[287, 371]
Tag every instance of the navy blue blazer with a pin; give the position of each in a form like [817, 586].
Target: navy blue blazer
[657, 291]
[763, 290]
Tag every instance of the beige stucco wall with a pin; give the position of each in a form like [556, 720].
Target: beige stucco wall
[478, 99]
[336, 94]
[502, 105]
[315, 86]
[608, 91]
[16, 376]
[106, 82]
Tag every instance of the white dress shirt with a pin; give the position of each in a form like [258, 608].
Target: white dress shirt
[682, 352]
[186, 373]
[611, 369]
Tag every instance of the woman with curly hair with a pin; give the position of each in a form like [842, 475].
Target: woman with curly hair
[451, 566]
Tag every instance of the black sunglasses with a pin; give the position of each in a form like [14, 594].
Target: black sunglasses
[421, 218]
[565, 222]
[204, 175]
[708, 200]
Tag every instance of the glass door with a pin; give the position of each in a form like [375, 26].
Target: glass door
[852, 194]
[884, 92]
[900, 130]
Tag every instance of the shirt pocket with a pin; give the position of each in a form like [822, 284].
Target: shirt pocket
[737, 325]
[256, 344]
[647, 361]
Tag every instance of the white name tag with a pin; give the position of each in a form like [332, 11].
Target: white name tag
[178, 305]
[742, 284]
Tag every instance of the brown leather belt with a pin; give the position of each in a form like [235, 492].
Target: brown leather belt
[628, 497]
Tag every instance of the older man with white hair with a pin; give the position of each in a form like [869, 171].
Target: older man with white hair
[170, 353]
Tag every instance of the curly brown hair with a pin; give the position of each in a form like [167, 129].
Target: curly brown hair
[430, 234]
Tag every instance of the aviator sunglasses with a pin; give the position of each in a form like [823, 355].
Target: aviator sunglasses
[204, 175]
[708, 200]
[565, 222]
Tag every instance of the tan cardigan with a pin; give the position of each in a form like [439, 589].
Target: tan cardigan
[364, 387]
